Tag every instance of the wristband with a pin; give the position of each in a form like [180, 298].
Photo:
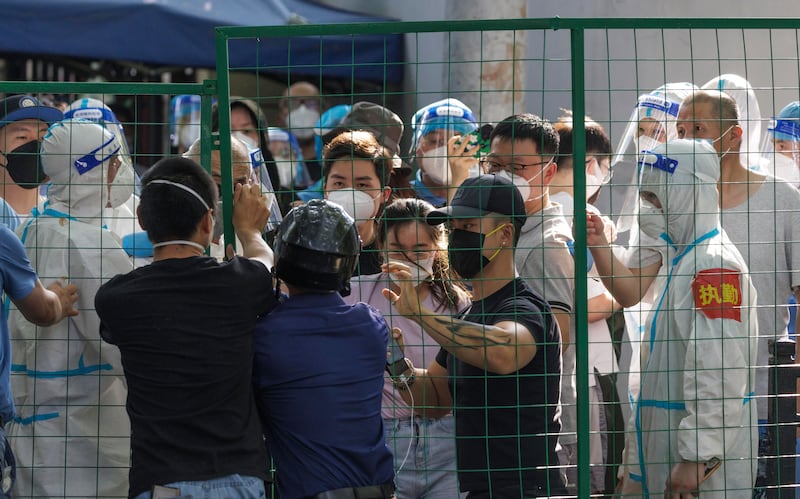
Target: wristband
[404, 380]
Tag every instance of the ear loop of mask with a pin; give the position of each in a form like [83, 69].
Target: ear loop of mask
[541, 194]
[497, 251]
[194, 193]
[719, 139]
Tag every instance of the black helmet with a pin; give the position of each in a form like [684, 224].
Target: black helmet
[317, 247]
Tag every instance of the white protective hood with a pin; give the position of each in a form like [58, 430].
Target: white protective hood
[652, 122]
[683, 174]
[76, 156]
[749, 115]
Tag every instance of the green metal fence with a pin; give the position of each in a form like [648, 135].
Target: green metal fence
[614, 48]
[619, 50]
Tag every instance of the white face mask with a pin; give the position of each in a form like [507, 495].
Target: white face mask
[302, 121]
[785, 168]
[646, 143]
[594, 179]
[523, 185]
[357, 204]
[250, 143]
[652, 220]
[436, 166]
[285, 171]
[713, 142]
[421, 270]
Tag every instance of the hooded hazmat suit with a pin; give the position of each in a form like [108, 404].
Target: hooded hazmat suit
[71, 433]
[696, 398]
[122, 219]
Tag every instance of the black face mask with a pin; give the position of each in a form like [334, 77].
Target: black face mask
[465, 251]
[25, 166]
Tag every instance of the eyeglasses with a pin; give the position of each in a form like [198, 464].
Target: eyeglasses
[604, 176]
[490, 165]
[293, 103]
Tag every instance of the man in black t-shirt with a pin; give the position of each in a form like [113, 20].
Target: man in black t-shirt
[184, 326]
[500, 363]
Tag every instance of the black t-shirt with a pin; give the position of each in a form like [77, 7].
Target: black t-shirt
[507, 425]
[184, 328]
[369, 261]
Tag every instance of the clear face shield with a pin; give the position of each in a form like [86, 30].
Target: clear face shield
[781, 150]
[651, 124]
[749, 116]
[122, 187]
[262, 176]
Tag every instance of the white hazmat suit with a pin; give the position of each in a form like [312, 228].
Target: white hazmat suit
[71, 435]
[698, 382]
[122, 220]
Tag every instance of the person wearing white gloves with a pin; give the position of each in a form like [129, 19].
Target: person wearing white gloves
[71, 433]
[695, 419]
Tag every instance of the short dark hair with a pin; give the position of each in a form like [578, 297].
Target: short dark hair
[597, 141]
[358, 144]
[169, 212]
[528, 126]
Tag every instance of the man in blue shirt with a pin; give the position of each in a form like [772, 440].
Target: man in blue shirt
[8, 216]
[319, 366]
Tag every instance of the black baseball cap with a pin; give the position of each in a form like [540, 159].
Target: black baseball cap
[481, 195]
[26, 107]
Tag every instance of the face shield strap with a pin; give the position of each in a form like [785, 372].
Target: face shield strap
[787, 127]
[97, 115]
[446, 117]
[90, 160]
[666, 106]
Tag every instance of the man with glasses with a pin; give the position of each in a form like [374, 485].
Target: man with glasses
[524, 149]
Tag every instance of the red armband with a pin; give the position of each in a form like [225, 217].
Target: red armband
[718, 293]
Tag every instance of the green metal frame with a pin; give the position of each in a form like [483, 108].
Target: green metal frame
[220, 89]
[578, 28]
[206, 90]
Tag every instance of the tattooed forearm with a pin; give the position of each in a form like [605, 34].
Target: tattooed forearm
[468, 334]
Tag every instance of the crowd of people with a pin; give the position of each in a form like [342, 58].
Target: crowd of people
[389, 322]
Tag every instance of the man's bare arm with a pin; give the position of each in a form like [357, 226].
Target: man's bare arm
[626, 285]
[47, 306]
[250, 216]
[429, 394]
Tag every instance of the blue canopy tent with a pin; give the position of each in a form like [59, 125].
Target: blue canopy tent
[181, 32]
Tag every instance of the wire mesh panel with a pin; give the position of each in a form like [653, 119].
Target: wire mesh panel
[631, 79]
[74, 195]
[623, 324]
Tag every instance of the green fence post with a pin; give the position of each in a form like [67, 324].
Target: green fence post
[581, 310]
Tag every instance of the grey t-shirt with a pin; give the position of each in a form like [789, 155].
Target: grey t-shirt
[544, 261]
[766, 231]
[543, 257]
